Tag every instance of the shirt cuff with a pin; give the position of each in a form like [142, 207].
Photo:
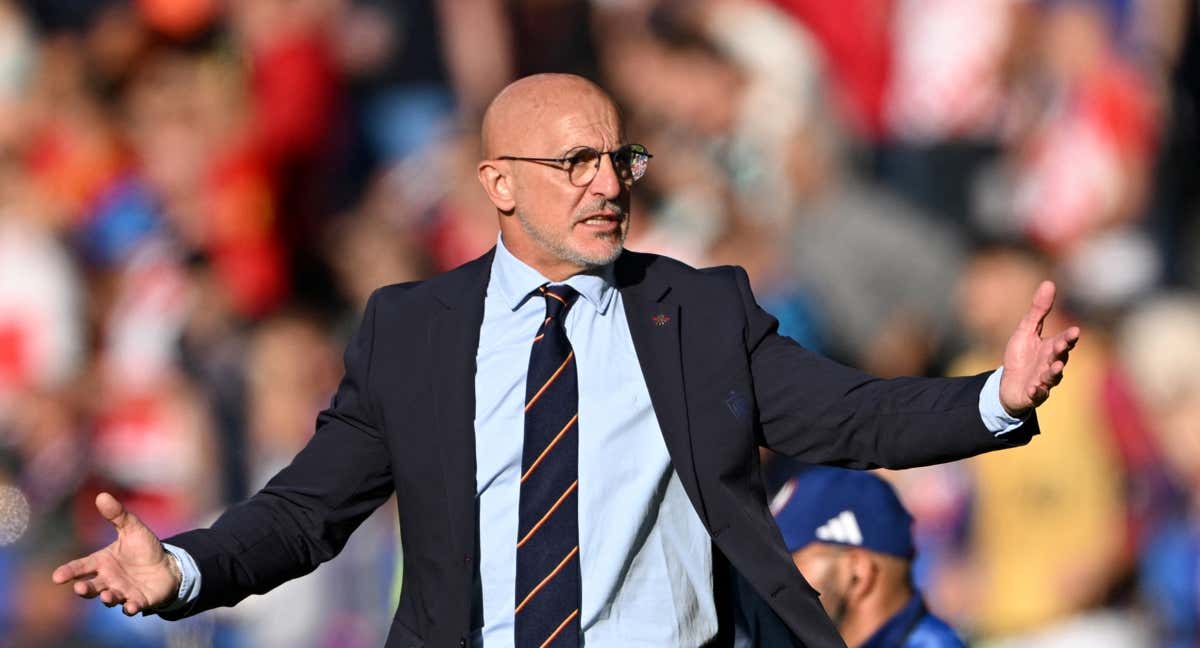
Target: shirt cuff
[189, 585]
[995, 418]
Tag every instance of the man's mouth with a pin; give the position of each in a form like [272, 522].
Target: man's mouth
[602, 219]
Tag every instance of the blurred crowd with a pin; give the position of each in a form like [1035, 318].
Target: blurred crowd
[197, 197]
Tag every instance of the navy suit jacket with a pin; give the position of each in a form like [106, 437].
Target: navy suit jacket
[722, 383]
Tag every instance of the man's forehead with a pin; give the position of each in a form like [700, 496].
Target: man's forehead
[591, 125]
[548, 110]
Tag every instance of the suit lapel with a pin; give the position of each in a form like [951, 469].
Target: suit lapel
[654, 324]
[453, 342]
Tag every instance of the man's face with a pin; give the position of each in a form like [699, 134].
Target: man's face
[558, 224]
[826, 568]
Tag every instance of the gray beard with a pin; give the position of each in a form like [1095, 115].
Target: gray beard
[560, 249]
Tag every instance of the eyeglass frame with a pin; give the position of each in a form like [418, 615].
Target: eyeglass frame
[564, 163]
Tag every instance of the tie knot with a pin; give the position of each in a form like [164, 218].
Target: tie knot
[558, 299]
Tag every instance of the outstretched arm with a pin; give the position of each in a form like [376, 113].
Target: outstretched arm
[134, 571]
[301, 518]
[306, 513]
[819, 411]
[1033, 365]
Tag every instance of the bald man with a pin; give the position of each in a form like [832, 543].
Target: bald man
[571, 429]
[852, 539]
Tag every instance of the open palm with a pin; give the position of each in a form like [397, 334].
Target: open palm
[1033, 365]
[134, 571]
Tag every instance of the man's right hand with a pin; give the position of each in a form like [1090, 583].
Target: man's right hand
[134, 571]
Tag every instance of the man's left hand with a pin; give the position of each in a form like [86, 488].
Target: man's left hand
[1033, 365]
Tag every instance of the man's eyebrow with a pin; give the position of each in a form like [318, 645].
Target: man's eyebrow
[581, 147]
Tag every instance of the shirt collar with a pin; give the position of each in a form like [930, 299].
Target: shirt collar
[900, 626]
[515, 281]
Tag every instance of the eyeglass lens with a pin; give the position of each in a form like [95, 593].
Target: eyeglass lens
[629, 162]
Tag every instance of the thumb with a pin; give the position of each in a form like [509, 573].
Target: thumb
[114, 511]
[1043, 301]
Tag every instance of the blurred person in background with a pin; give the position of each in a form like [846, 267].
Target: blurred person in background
[880, 271]
[1160, 344]
[369, 249]
[856, 44]
[947, 97]
[415, 66]
[1046, 539]
[850, 536]
[293, 371]
[565, 221]
[42, 341]
[1170, 34]
[1081, 166]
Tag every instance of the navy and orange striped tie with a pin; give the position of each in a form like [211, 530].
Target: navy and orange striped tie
[548, 581]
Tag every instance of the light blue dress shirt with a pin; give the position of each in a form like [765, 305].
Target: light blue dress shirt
[645, 557]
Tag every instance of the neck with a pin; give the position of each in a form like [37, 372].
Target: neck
[861, 623]
[548, 265]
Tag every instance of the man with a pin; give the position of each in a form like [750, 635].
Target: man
[572, 431]
[850, 536]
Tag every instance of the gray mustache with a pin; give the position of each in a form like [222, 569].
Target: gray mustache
[606, 206]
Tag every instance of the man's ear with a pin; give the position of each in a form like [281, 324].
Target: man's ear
[864, 575]
[498, 185]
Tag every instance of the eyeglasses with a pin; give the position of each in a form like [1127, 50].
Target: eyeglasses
[583, 163]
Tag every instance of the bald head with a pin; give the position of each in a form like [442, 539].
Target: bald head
[514, 118]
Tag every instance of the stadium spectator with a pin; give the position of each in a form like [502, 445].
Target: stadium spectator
[1160, 343]
[851, 538]
[177, 175]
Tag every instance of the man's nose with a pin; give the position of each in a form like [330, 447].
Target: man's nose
[606, 183]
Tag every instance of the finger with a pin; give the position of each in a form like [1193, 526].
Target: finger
[1059, 349]
[87, 589]
[113, 511]
[110, 598]
[130, 608]
[1053, 357]
[1066, 340]
[1043, 301]
[1055, 368]
[79, 568]
[1052, 376]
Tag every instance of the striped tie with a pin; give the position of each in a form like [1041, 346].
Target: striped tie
[548, 581]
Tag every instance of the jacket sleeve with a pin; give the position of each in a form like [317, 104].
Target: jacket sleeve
[819, 411]
[306, 513]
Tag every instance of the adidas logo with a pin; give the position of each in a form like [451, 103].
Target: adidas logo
[841, 528]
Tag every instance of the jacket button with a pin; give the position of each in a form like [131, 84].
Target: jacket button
[462, 643]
